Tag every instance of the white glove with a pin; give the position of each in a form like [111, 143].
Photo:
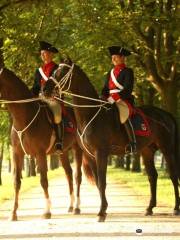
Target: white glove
[110, 100]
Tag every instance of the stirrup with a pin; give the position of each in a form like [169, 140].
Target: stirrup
[130, 149]
[58, 148]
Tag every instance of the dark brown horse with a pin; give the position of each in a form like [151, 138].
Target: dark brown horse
[33, 133]
[105, 135]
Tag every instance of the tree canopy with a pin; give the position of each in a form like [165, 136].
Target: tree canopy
[83, 29]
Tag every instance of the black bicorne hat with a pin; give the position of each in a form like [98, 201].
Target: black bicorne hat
[117, 50]
[48, 47]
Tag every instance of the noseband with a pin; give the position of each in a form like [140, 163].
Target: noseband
[1, 70]
[66, 79]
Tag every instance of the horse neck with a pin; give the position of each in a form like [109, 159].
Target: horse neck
[13, 89]
[83, 87]
[22, 114]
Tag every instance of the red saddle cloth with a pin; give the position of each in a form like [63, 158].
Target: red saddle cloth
[69, 123]
[140, 123]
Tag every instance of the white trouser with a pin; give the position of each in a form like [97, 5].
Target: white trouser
[123, 110]
[55, 108]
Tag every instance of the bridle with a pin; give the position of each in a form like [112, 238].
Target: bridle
[65, 79]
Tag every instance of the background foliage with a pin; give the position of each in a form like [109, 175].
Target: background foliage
[83, 29]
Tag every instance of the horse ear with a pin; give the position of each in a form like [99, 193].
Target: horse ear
[61, 60]
[68, 60]
[1, 53]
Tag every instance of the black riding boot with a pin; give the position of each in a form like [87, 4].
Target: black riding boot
[59, 130]
[131, 147]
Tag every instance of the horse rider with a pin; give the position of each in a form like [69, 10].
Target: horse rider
[42, 74]
[118, 89]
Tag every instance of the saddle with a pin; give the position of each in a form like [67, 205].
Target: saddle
[140, 123]
[68, 122]
[138, 120]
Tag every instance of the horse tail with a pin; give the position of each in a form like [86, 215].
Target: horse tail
[87, 168]
[176, 142]
[177, 146]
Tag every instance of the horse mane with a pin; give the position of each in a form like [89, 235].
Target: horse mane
[80, 72]
[110, 111]
[88, 84]
[15, 82]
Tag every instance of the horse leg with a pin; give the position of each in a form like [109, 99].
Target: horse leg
[42, 166]
[174, 178]
[78, 177]
[18, 163]
[68, 171]
[148, 157]
[101, 160]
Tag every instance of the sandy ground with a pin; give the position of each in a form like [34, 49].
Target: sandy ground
[125, 215]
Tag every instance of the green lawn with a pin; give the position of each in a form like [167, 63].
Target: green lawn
[137, 181]
[7, 189]
[140, 184]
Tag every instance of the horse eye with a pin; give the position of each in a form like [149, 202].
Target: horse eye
[57, 73]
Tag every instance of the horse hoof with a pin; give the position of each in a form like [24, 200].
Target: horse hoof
[102, 218]
[46, 215]
[77, 211]
[176, 212]
[13, 218]
[70, 210]
[149, 213]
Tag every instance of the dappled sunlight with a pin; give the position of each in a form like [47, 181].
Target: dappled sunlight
[125, 215]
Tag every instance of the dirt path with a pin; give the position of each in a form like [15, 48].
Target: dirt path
[125, 215]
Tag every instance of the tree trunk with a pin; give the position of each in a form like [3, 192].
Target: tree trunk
[119, 162]
[9, 165]
[32, 165]
[10, 158]
[110, 161]
[163, 163]
[1, 53]
[136, 165]
[54, 161]
[1, 159]
[170, 100]
[27, 167]
[170, 97]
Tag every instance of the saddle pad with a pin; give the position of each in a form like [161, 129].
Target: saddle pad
[140, 123]
[69, 124]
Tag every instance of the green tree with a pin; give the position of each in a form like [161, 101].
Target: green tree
[83, 29]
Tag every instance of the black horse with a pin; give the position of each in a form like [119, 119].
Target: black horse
[105, 135]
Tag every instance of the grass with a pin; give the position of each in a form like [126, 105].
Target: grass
[137, 181]
[7, 189]
[140, 184]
